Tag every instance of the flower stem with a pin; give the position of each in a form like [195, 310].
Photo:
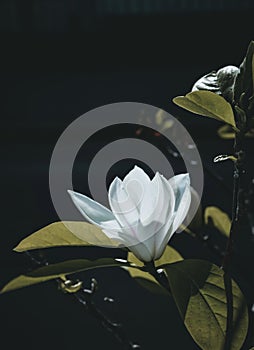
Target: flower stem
[159, 277]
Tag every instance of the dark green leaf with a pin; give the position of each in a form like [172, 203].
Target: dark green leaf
[245, 79]
[66, 233]
[208, 104]
[199, 292]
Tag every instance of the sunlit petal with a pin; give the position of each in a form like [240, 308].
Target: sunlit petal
[94, 212]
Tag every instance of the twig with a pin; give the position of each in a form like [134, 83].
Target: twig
[84, 296]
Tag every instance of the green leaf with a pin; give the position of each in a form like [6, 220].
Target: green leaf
[198, 289]
[53, 271]
[66, 233]
[208, 104]
[146, 280]
[220, 220]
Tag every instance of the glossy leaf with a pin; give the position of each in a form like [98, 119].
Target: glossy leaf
[208, 104]
[53, 271]
[220, 82]
[219, 219]
[198, 289]
[65, 233]
[147, 281]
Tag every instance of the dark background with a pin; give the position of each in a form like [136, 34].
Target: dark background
[60, 59]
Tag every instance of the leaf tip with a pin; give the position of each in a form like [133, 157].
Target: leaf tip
[18, 249]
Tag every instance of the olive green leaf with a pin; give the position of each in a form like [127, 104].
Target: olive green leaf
[147, 281]
[208, 104]
[66, 233]
[59, 270]
[198, 289]
[219, 219]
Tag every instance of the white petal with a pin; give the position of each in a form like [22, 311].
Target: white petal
[181, 187]
[194, 207]
[94, 212]
[142, 252]
[125, 197]
[158, 202]
[157, 209]
[165, 232]
[136, 174]
[164, 237]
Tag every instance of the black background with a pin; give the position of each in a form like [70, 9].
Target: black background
[60, 59]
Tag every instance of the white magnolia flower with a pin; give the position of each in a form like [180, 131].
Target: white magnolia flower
[144, 213]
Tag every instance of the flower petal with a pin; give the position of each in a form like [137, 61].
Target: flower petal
[94, 212]
[158, 202]
[142, 251]
[125, 197]
[136, 174]
[181, 186]
[163, 238]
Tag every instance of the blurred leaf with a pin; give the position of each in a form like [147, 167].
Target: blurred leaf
[208, 104]
[219, 219]
[66, 233]
[53, 271]
[198, 289]
[227, 133]
[147, 281]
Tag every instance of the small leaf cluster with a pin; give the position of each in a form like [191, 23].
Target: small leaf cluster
[226, 95]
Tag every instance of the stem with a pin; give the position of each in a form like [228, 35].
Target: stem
[237, 210]
[159, 277]
[115, 328]
[84, 296]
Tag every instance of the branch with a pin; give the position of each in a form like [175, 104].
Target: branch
[84, 296]
[237, 209]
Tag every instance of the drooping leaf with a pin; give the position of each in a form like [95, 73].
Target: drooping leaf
[147, 281]
[208, 104]
[65, 233]
[219, 219]
[53, 271]
[198, 289]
